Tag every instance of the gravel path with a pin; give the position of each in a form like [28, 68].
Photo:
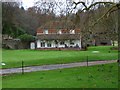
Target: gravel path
[52, 67]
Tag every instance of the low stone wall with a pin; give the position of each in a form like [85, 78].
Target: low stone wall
[13, 44]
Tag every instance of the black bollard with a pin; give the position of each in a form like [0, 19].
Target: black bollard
[22, 67]
[87, 60]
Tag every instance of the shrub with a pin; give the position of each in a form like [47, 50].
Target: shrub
[26, 38]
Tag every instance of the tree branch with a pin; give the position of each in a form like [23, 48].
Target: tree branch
[94, 4]
[83, 3]
[88, 8]
[104, 14]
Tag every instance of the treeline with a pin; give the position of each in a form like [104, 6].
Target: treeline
[17, 21]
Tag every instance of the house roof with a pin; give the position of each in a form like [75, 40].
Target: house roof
[55, 26]
[58, 25]
[51, 31]
[58, 36]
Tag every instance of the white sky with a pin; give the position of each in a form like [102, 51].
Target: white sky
[30, 3]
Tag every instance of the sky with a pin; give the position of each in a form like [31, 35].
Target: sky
[30, 3]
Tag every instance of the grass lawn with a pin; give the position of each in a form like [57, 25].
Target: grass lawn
[99, 76]
[13, 58]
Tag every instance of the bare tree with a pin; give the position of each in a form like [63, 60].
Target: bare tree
[90, 22]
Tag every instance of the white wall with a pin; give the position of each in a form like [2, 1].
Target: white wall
[78, 42]
[60, 45]
[75, 42]
[38, 44]
[53, 45]
[67, 42]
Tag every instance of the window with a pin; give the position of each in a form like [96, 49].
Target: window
[42, 44]
[72, 31]
[71, 42]
[62, 43]
[45, 32]
[59, 32]
[48, 44]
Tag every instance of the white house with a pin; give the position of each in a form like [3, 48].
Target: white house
[62, 38]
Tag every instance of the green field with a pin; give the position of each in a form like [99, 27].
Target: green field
[99, 76]
[13, 58]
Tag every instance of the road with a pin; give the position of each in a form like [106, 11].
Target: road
[52, 67]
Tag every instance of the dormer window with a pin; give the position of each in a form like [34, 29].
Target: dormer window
[59, 32]
[72, 31]
[45, 31]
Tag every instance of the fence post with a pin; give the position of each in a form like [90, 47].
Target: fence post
[22, 67]
[87, 60]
